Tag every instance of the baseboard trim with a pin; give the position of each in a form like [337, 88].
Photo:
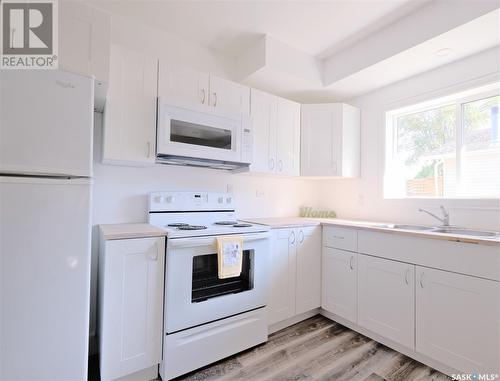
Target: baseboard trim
[391, 344]
[293, 320]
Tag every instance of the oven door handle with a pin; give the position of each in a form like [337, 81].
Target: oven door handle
[208, 241]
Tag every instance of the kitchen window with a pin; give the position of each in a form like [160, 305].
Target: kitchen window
[445, 148]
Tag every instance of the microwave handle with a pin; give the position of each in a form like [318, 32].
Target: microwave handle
[206, 241]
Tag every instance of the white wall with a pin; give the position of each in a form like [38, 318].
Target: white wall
[363, 198]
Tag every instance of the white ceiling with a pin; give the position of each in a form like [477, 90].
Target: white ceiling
[318, 28]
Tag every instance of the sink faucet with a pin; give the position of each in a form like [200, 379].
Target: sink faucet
[446, 216]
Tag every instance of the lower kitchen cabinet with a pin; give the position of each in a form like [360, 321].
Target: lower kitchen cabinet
[458, 320]
[131, 279]
[308, 288]
[386, 302]
[295, 277]
[281, 304]
[339, 290]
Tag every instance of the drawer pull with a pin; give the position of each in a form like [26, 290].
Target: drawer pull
[338, 237]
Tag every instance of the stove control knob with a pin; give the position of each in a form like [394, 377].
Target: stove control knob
[170, 199]
[220, 200]
[229, 200]
[160, 199]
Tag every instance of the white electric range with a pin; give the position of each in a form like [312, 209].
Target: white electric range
[207, 318]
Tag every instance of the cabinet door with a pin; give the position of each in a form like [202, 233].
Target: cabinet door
[386, 298]
[339, 290]
[84, 40]
[228, 98]
[458, 320]
[183, 87]
[281, 304]
[288, 138]
[130, 111]
[131, 306]
[46, 122]
[263, 116]
[308, 287]
[320, 135]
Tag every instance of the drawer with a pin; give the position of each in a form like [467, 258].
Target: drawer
[340, 238]
[459, 257]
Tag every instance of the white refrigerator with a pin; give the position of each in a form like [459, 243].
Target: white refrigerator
[46, 122]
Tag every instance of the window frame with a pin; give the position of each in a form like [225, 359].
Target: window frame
[458, 99]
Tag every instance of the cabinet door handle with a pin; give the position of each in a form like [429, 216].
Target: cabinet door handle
[280, 165]
[301, 236]
[292, 236]
[202, 96]
[351, 265]
[149, 149]
[407, 273]
[271, 163]
[215, 99]
[421, 280]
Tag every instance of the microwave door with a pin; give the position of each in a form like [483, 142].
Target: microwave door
[195, 134]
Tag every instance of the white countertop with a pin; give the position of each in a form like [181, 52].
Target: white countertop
[125, 231]
[291, 222]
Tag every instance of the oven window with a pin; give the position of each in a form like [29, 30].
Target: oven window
[197, 134]
[206, 282]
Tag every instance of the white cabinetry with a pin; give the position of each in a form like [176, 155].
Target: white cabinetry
[263, 111]
[296, 272]
[281, 304]
[84, 39]
[183, 87]
[458, 320]
[308, 289]
[130, 111]
[339, 283]
[386, 298]
[228, 98]
[330, 140]
[276, 126]
[194, 90]
[130, 305]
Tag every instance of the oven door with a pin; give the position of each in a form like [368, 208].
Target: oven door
[195, 295]
[188, 133]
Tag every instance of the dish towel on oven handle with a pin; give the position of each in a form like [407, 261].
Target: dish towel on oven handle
[229, 256]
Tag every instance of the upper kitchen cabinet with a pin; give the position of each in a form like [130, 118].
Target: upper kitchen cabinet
[130, 113]
[264, 108]
[183, 87]
[276, 128]
[84, 43]
[228, 98]
[195, 90]
[330, 140]
[288, 138]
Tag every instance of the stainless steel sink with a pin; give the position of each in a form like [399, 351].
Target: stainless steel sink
[473, 233]
[411, 227]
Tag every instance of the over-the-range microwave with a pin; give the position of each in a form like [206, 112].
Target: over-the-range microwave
[189, 137]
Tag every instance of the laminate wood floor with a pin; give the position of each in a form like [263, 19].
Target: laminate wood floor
[315, 349]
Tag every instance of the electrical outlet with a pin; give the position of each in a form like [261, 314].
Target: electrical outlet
[259, 193]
